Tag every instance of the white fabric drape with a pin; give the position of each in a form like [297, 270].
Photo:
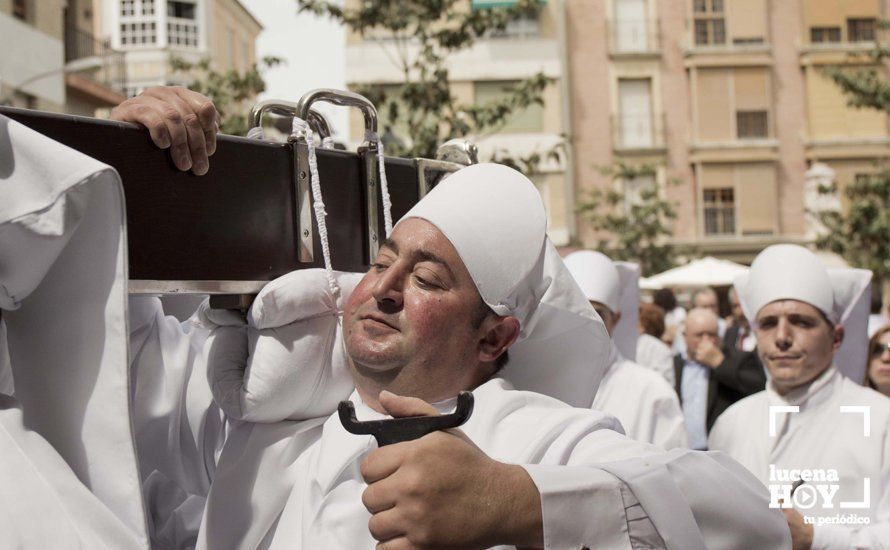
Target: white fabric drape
[63, 274]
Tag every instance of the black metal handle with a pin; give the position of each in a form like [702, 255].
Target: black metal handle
[396, 430]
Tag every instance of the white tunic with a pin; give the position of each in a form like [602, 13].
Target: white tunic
[297, 484]
[654, 354]
[821, 437]
[179, 430]
[646, 406]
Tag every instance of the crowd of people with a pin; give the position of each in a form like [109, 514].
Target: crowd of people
[592, 409]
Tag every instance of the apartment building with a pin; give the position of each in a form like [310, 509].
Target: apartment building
[51, 57]
[149, 32]
[479, 75]
[729, 99]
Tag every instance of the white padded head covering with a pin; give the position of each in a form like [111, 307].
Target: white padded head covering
[615, 285]
[597, 276]
[791, 272]
[495, 219]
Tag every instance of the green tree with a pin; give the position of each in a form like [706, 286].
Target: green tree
[419, 36]
[861, 233]
[230, 90]
[635, 231]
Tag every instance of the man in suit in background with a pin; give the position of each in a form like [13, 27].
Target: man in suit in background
[709, 380]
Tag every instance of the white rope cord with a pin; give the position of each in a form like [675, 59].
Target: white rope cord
[301, 129]
[256, 133]
[327, 143]
[384, 187]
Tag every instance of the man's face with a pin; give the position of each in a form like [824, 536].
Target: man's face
[700, 325]
[795, 342]
[706, 300]
[414, 308]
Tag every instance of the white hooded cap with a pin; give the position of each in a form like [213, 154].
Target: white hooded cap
[495, 219]
[791, 272]
[616, 286]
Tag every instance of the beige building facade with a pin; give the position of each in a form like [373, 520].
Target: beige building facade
[53, 59]
[729, 100]
[149, 32]
[479, 75]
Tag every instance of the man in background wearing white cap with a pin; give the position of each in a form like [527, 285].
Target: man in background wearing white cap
[812, 425]
[643, 402]
[461, 278]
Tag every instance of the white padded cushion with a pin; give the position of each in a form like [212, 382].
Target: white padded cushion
[297, 366]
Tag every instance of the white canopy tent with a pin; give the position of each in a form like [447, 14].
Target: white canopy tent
[708, 271]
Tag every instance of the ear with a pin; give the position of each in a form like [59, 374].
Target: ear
[617, 317]
[837, 337]
[498, 334]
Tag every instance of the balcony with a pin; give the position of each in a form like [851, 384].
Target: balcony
[103, 83]
[643, 133]
[634, 37]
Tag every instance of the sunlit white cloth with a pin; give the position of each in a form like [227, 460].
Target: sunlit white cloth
[654, 354]
[644, 403]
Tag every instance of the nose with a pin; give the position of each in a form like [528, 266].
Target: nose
[885, 354]
[783, 334]
[388, 289]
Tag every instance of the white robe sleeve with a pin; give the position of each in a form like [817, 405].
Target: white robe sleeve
[179, 430]
[683, 493]
[670, 428]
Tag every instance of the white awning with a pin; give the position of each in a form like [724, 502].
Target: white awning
[706, 271]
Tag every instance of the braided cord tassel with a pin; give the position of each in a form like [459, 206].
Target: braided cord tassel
[301, 128]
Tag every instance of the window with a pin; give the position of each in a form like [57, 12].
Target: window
[860, 30]
[821, 35]
[148, 7]
[634, 123]
[719, 209]
[128, 8]
[181, 10]
[529, 119]
[138, 34]
[182, 34]
[710, 27]
[751, 124]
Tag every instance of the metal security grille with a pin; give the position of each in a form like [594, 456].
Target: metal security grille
[751, 124]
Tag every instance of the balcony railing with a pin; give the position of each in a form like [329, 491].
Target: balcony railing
[112, 68]
[638, 131]
[634, 36]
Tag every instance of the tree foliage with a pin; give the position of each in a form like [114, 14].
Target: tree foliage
[229, 90]
[419, 36]
[635, 231]
[861, 234]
